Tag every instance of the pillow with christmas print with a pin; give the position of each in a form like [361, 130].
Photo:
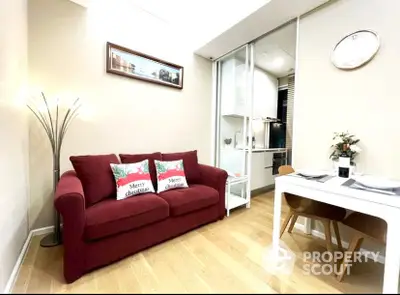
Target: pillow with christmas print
[132, 179]
[170, 175]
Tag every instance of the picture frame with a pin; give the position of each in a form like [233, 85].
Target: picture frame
[136, 65]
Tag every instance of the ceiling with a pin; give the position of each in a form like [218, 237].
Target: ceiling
[212, 28]
[265, 19]
[84, 3]
[202, 19]
[276, 52]
[196, 21]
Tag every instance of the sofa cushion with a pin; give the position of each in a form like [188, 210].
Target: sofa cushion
[185, 200]
[96, 176]
[190, 164]
[125, 158]
[111, 217]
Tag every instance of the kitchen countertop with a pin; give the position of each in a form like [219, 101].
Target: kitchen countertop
[272, 150]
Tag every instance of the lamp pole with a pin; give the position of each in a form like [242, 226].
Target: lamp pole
[55, 129]
[54, 238]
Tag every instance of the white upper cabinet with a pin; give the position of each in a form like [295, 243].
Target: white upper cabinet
[233, 91]
[265, 94]
[233, 88]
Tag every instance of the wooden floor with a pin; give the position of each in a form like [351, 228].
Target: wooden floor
[223, 257]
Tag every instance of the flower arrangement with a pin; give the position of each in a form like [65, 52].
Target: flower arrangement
[344, 142]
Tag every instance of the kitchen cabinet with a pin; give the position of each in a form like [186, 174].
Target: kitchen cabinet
[261, 170]
[233, 88]
[265, 94]
[233, 92]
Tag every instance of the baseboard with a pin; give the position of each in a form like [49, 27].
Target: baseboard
[321, 235]
[42, 230]
[15, 271]
[17, 266]
[262, 190]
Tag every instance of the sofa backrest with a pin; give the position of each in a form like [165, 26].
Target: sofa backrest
[98, 182]
[190, 164]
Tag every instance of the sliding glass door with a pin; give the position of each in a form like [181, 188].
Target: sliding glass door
[253, 121]
[234, 141]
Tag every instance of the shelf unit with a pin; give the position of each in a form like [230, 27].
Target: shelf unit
[233, 200]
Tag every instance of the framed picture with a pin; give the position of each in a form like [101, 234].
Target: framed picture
[132, 64]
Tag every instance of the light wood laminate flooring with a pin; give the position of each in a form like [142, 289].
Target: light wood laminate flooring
[222, 257]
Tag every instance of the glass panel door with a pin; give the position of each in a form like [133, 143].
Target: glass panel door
[234, 142]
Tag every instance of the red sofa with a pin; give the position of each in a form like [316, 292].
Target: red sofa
[100, 230]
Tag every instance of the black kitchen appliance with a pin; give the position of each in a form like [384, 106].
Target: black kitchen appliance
[277, 135]
[277, 130]
[278, 159]
[282, 105]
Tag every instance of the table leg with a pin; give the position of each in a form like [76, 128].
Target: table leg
[277, 218]
[392, 259]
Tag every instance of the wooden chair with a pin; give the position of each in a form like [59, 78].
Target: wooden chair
[365, 226]
[326, 213]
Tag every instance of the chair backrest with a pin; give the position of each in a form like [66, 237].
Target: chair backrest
[285, 169]
[297, 203]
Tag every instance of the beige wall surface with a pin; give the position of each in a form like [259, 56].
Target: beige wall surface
[67, 53]
[13, 135]
[362, 101]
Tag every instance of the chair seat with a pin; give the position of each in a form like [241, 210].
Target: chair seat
[316, 208]
[371, 226]
[113, 216]
[326, 211]
[185, 200]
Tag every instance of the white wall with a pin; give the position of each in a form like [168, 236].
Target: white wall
[13, 135]
[363, 101]
[67, 54]
[283, 81]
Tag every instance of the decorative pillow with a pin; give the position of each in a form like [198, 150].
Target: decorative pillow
[170, 175]
[126, 158]
[96, 176]
[132, 179]
[190, 163]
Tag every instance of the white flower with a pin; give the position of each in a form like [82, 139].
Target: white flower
[355, 148]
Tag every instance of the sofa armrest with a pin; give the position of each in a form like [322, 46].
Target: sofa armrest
[215, 178]
[69, 201]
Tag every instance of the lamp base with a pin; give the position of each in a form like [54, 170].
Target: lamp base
[50, 241]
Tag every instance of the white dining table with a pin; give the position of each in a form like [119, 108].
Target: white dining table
[333, 192]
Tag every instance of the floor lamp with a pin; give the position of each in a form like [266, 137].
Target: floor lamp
[55, 126]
